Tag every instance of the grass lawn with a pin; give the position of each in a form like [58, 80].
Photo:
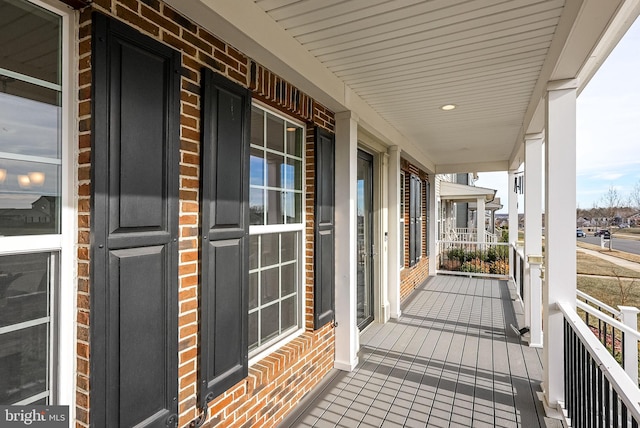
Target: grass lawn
[591, 265]
[608, 291]
[622, 287]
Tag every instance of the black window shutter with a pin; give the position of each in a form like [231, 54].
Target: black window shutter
[425, 215]
[413, 202]
[418, 219]
[226, 108]
[324, 236]
[134, 228]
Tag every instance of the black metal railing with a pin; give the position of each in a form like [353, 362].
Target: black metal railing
[597, 391]
[521, 275]
[477, 258]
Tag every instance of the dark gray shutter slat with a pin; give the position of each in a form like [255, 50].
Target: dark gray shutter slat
[134, 230]
[324, 239]
[224, 309]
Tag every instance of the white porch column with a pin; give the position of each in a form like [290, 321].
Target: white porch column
[560, 217]
[533, 236]
[480, 221]
[513, 222]
[394, 231]
[346, 342]
[383, 252]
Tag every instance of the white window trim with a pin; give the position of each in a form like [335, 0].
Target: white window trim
[63, 297]
[283, 340]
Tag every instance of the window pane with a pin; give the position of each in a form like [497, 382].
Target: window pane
[289, 278]
[24, 288]
[269, 322]
[23, 363]
[275, 133]
[275, 170]
[269, 285]
[30, 37]
[256, 167]
[270, 248]
[253, 252]
[292, 203]
[256, 206]
[294, 140]
[253, 330]
[289, 313]
[257, 126]
[274, 207]
[29, 198]
[289, 246]
[253, 290]
[293, 175]
[27, 126]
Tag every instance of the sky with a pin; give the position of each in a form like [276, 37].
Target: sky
[608, 129]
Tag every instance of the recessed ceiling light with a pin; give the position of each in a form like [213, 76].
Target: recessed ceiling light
[291, 129]
[448, 107]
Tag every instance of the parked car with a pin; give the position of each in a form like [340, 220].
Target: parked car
[580, 233]
[604, 233]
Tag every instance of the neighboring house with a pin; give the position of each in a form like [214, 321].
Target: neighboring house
[236, 189]
[462, 203]
[583, 222]
[634, 220]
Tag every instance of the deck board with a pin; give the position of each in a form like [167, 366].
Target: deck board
[451, 360]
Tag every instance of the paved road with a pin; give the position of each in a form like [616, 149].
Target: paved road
[630, 246]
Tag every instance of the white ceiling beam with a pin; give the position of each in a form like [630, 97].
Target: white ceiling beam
[472, 167]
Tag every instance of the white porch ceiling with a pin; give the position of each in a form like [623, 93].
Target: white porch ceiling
[407, 58]
[394, 63]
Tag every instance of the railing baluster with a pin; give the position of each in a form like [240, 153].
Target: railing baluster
[607, 403]
[594, 394]
[581, 409]
[600, 406]
[614, 409]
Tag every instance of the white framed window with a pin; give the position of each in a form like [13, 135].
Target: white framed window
[402, 223]
[36, 219]
[276, 241]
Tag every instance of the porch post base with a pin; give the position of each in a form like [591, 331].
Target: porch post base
[346, 366]
[551, 410]
[536, 343]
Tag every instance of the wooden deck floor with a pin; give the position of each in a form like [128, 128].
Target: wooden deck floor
[451, 360]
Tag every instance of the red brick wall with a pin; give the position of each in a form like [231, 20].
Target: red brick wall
[412, 277]
[276, 383]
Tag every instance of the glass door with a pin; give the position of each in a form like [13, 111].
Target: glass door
[365, 243]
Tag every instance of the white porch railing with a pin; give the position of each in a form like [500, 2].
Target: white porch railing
[597, 390]
[466, 234]
[616, 329]
[474, 258]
